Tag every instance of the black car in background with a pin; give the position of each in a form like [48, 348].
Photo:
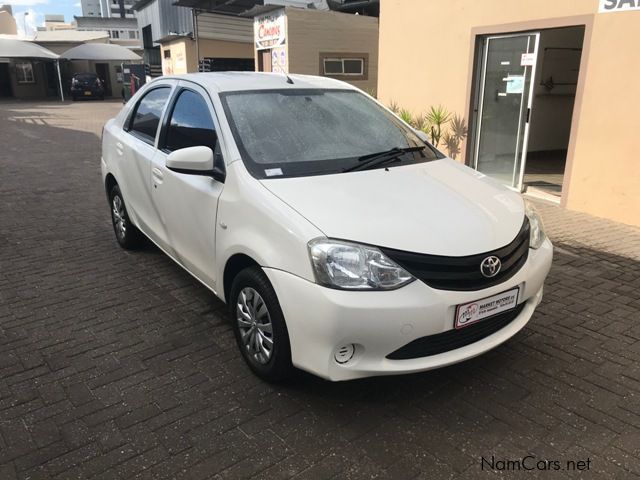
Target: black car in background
[87, 85]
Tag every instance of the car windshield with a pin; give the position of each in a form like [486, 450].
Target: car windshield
[296, 132]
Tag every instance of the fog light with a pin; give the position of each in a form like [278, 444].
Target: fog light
[345, 353]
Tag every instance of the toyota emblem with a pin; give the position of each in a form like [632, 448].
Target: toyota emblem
[490, 266]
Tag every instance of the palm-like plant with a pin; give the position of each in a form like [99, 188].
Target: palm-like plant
[406, 116]
[439, 124]
[437, 118]
[419, 122]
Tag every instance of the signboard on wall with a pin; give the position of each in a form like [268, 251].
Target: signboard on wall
[609, 6]
[269, 30]
[279, 60]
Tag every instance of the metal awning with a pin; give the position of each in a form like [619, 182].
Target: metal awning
[14, 48]
[100, 52]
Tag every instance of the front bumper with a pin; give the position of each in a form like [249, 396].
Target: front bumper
[321, 320]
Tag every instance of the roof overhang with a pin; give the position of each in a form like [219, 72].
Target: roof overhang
[13, 48]
[174, 36]
[100, 52]
[222, 7]
[261, 10]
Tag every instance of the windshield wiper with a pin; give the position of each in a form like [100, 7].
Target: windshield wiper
[373, 160]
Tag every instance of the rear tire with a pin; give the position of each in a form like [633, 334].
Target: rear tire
[259, 326]
[127, 235]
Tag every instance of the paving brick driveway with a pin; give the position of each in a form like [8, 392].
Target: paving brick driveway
[117, 364]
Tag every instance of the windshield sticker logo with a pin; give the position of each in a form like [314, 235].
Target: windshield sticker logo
[273, 172]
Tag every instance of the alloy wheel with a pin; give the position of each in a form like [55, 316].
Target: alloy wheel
[254, 323]
[119, 220]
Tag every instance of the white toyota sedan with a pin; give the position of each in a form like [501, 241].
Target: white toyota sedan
[344, 243]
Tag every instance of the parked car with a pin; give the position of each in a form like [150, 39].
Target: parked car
[87, 85]
[344, 243]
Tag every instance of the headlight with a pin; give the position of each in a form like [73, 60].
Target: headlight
[350, 266]
[537, 235]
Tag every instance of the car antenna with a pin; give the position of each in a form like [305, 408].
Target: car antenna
[289, 79]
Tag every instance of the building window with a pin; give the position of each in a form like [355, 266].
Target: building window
[115, 34]
[349, 66]
[167, 53]
[132, 34]
[24, 72]
[344, 66]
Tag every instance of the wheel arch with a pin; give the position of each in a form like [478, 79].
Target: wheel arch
[234, 265]
[109, 182]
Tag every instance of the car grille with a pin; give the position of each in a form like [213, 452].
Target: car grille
[452, 339]
[463, 273]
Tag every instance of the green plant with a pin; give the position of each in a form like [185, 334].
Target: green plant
[406, 116]
[436, 119]
[439, 124]
[419, 122]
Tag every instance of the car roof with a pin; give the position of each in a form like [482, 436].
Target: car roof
[243, 81]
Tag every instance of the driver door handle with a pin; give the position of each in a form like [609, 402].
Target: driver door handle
[158, 176]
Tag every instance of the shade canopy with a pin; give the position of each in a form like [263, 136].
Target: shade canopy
[13, 48]
[99, 51]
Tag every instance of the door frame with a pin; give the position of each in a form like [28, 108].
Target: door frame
[480, 31]
[476, 120]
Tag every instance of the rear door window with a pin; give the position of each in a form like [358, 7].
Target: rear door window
[146, 118]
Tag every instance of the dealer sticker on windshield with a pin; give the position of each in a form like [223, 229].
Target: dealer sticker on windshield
[472, 312]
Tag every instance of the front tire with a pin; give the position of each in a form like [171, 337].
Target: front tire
[128, 236]
[259, 326]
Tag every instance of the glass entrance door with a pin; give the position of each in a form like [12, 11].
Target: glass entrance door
[504, 106]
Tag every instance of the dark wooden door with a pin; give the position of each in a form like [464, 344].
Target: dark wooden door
[5, 80]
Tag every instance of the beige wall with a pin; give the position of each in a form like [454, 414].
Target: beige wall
[426, 53]
[181, 57]
[311, 32]
[7, 24]
[184, 57]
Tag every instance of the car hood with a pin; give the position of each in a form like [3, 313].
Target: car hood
[438, 208]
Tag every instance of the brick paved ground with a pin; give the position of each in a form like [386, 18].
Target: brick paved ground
[119, 365]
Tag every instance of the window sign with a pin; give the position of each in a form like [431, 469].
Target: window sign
[515, 84]
[528, 60]
[269, 30]
[609, 6]
[279, 60]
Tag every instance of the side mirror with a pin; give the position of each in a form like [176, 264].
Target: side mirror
[193, 160]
